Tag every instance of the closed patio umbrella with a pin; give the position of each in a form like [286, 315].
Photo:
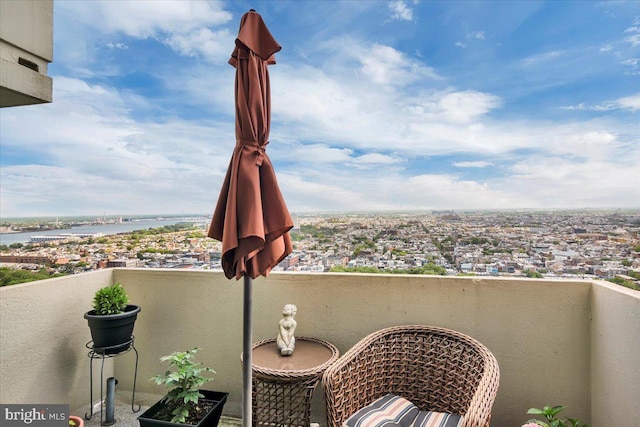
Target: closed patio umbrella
[251, 217]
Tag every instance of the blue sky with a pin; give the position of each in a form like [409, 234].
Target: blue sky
[399, 105]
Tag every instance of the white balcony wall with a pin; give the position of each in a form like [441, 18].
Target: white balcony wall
[557, 342]
[615, 356]
[43, 358]
[538, 330]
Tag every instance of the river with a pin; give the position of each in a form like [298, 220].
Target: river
[106, 229]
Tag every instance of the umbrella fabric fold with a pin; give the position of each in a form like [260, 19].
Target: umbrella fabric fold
[251, 217]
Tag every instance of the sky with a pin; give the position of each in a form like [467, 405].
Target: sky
[376, 106]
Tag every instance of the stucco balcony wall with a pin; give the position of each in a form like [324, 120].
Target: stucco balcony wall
[43, 358]
[557, 342]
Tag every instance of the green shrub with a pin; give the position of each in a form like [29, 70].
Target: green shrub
[183, 384]
[550, 415]
[110, 300]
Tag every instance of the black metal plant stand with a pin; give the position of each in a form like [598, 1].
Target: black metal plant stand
[104, 353]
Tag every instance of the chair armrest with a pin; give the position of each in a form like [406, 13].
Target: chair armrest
[479, 412]
[349, 386]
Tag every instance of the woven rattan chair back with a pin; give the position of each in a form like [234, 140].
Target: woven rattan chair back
[435, 368]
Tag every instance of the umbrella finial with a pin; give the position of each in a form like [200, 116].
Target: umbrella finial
[252, 10]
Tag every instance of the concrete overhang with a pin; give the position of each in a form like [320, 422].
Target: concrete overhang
[20, 85]
[26, 49]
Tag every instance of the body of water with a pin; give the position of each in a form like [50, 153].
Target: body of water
[106, 229]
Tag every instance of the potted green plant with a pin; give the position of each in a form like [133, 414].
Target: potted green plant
[185, 404]
[550, 414]
[75, 421]
[112, 319]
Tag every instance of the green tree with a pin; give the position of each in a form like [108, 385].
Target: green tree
[10, 276]
[340, 269]
[430, 269]
[626, 283]
[532, 274]
[634, 274]
[398, 252]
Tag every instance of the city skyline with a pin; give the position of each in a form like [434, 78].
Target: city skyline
[377, 106]
[532, 244]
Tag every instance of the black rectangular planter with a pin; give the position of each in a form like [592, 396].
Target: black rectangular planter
[210, 420]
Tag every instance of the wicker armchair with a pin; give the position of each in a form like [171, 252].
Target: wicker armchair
[437, 369]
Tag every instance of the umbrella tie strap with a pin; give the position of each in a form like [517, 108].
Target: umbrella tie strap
[260, 149]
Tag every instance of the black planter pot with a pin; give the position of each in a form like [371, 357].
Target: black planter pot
[112, 333]
[210, 420]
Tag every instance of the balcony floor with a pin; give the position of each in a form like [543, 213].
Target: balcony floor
[125, 417]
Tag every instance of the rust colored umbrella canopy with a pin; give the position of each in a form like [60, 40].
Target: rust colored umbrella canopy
[251, 217]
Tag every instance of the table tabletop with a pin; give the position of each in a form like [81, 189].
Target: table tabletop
[310, 357]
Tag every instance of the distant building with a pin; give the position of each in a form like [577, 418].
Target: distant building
[296, 222]
[112, 263]
[43, 239]
[26, 259]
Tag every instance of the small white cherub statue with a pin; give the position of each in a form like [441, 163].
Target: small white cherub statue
[286, 341]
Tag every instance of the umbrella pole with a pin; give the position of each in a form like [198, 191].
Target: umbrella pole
[247, 352]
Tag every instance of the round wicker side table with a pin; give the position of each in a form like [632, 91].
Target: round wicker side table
[283, 385]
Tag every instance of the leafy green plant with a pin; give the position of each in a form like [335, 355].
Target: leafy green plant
[111, 299]
[550, 413]
[183, 383]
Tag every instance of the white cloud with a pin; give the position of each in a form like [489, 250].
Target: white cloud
[386, 65]
[105, 160]
[474, 35]
[89, 153]
[377, 158]
[213, 46]
[307, 96]
[311, 106]
[181, 25]
[631, 103]
[117, 45]
[600, 183]
[453, 106]
[465, 106]
[304, 193]
[633, 40]
[476, 164]
[632, 65]
[148, 18]
[542, 58]
[375, 161]
[633, 32]
[439, 191]
[355, 126]
[400, 10]
[309, 153]
[532, 182]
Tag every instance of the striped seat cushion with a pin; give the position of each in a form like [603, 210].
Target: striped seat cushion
[388, 411]
[437, 419]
